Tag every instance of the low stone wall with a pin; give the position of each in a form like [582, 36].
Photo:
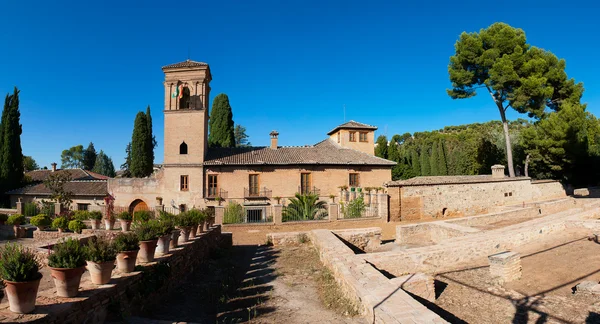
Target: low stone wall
[8, 211]
[51, 235]
[126, 293]
[418, 284]
[366, 239]
[430, 232]
[548, 189]
[288, 238]
[521, 213]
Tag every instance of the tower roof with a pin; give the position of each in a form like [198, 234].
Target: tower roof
[352, 125]
[185, 64]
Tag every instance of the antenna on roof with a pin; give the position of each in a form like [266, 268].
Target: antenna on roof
[344, 113]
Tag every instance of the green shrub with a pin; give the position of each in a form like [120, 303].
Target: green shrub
[147, 231]
[233, 213]
[60, 223]
[40, 220]
[77, 226]
[95, 215]
[166, 215]
[67, 254]
[166, 226]
[81, 215]
[3, 217]
[127, 242]
[16, 219]
[30, 209]
[354, 209]
[18, 264]
[197, 215]
[185, 219]
[126, 216]
[142, 216]
[100, 250]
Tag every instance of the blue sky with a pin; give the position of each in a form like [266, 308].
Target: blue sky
[85, 68]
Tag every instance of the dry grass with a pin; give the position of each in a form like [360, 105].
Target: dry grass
[332, 296]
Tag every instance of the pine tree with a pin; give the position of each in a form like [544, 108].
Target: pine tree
[89, 157]
[141, 165]
[442, 166]
[381, 150]
[104, 165]
[433, 161]
[425, 166]
[221, 123]
[151, 138]
[11, 169]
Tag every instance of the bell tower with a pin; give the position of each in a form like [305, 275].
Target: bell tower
[187, 92]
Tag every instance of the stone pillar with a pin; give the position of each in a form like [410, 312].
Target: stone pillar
[19, 206]
[505, 265]
[382, 206]
[352, 195]
[158, 209]
[277, 214]
[219, 212]
[57, 209]
[333, 212]
[498, 171]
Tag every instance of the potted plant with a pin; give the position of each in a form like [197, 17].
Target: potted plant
[359, 189]
[332, 197]
[343, 187]
[95, 217]
[277, 199]
[81, 215]
[16, 220]
[60, 223]
[3, 219]
[77, 226]
[67, 264]
[125, 219]
[352, 189]
[159, 201]
[184, 222]
[198, 218]
[127, 246]
[219, 200]
[142, 216]
[147, 233]
[175, 232]
[41, 221]
[166, 229]
[19, 270]
[109, 220]
[100, 258]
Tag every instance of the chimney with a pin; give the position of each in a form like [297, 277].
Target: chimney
[274, 135]
[498, 171]
[53, 167]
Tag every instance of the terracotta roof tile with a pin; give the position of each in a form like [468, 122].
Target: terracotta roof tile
[352, 125]
[78, 188]
[186, 63]
[326, 153]
[447, 180]
[76, 174]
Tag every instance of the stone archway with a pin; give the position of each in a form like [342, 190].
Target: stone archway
[137, 205]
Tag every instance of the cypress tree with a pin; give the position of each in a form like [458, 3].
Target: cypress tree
[104, 165]
[442, 164]
[425, 166]
[433, 161]
[221, 123]
[416, 164]
[394, 149]
[151, 138]
[89, 157]
[141, 165]
[11, 169]
[381, 150]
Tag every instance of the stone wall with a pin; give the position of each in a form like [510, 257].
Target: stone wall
[366, 239]
[126, 293]
[429, 233]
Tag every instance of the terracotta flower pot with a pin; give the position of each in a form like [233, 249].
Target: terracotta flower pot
[201, 227]
[100, 272]
[193, 231]
[22, 295]
[126, 261]
[163, 244]
[95, 224]
[125, 225]
[19, 233]
[174, 238]
[147, 249]
[67, 280]
[109, 224]
[185, 235]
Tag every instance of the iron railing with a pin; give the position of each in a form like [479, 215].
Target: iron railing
[297, 213]
[247, 214]
[357, 208]
[257, 192]
[213, 194]
[309, 190]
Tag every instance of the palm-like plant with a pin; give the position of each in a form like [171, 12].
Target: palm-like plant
[305, 207]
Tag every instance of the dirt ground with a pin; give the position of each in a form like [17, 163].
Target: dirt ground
[551, 268]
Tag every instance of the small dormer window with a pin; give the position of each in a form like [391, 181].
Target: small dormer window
[362, 137]
[183, 148]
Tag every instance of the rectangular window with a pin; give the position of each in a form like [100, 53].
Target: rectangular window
[362, 137]
[339, 136]
[352, 136]
[82, 206]
[253, 184]
[212, 185]
[305, 183]
[354, 180]
[184, 183]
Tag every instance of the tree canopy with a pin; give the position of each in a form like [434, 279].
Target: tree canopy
[515, 74]
[29, 164]
[72, 157]
[241, 139]
[221, 123]
[104, 165]
[381, 150]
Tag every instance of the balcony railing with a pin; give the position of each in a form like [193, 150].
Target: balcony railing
[309, 190]
[257, 193]
[213, 194]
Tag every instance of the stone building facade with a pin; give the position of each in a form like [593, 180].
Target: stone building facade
[196, 176]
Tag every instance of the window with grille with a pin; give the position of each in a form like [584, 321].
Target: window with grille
[362, 137]
[253, 184]
[83, 206]
[184, 183]
[354, 180]
[213, 185]
[305, 183]
[352, 136]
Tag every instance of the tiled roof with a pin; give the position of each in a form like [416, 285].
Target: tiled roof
[78, 188]
[186, 63]
[76, 174]
[325, 153]
[353, 125]
[447, 180]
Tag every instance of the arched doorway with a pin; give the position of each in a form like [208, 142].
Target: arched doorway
[137, 205]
